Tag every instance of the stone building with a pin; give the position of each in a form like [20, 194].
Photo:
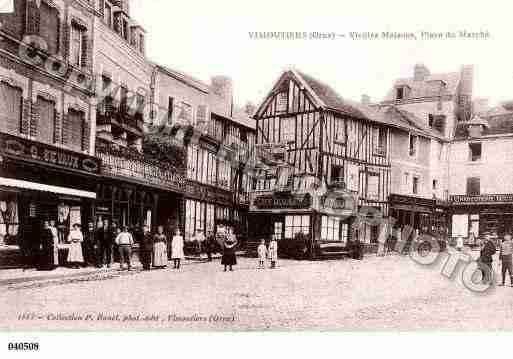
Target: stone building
[435, 104]
[481, 172]
[47, 119]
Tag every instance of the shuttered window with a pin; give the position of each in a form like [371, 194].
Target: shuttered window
[49, 26]
[76, 123]
[10, 108]
[77, 34]
[46, 120]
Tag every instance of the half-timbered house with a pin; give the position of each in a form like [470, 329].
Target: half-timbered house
[324, 140]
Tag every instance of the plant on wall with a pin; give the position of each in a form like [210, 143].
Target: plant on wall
[163, 150]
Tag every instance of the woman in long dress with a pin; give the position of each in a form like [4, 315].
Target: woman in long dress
[229, 259]
[160, 249]
[75, 255]
[177, 249]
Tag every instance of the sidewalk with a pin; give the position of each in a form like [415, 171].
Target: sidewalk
[32, 276]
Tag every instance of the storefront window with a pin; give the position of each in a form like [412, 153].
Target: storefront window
[295, 225]
[330, 229]
[9, 219]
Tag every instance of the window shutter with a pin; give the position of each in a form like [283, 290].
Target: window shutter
[34, 123]
[32, 18]
[85, 50]
[86, 135]
[57, 138]
[10, 108]
[66, 38]
[46, 117]
[65, 129]
[76, 129]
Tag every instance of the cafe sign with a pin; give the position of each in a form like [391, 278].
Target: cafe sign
[283, 201]
[482, 199]
[19, 148]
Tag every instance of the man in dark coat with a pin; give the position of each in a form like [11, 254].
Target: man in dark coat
[486, 259]
[46, 253]
[146, 248]
[104, 242]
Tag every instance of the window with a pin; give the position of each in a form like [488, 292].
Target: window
[435, 184]
[415, 182]
[170, 106]
[278, 230]
[76, 124]
[107, 14]
[77, 48]
[473, 186]
[372, 186]
[210, 219]
[399, 94]
[330, 228]
[46, 120]
[140, 106]
[49, 26]
[10, 108]
[337, 173]
[192, 161]
[125, 29]
[413, 143]
[431, 120]
[141, 43]
[185, 112]
[288, 129]
[381, 142]
[295, 225]
[224, 177]
[124, 99]
[475, 151]
[195, 218]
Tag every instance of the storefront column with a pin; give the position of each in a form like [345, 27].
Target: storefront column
[154, 216]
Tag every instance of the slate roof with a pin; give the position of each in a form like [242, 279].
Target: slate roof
[386, 115]
[432, 85]
[499, 120]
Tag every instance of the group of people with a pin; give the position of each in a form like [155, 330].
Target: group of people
[96, 246]
[265, 253]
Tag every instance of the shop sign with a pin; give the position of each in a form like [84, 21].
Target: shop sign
[398, 199]
[482, 199]
[339, 202]
[47, 154]
[283, 202]
[205, 193]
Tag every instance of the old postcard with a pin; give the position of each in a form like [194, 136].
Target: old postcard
[254, 166]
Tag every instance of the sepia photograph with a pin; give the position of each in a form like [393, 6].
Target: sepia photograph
[254, 166]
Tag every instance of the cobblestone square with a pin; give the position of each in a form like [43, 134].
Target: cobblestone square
[390, 293]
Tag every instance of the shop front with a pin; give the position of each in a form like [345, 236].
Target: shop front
[480, 215]
[414, 211]
[38, 183]
[207, 207]
[306, 225]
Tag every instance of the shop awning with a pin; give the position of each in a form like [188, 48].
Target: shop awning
[9, 182]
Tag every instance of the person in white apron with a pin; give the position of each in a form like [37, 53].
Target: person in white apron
[75, 239]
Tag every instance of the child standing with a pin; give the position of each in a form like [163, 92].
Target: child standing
[262, 254]
[273, 252]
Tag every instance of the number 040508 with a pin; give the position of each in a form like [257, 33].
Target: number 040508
[24, 346]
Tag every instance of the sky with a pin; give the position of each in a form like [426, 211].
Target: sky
[207, 38]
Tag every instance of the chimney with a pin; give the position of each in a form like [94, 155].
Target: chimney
[420, 72]
[222, 87]
[465, 95]
[365, 99]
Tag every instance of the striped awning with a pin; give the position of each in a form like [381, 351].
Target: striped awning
[10, 182]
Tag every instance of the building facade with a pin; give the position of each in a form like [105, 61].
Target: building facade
[321, 141]
[47, 119]
[433, 104]
[481, 183]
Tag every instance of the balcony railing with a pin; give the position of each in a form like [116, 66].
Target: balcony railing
[129, 163]
[111, 112]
